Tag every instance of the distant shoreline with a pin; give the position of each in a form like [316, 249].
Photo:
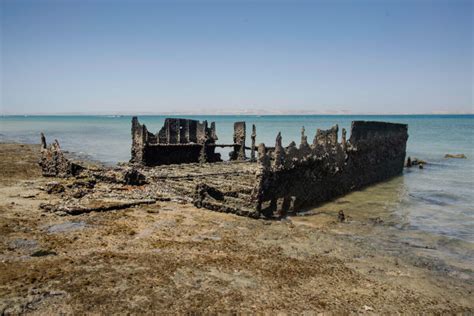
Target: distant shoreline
[236, 114]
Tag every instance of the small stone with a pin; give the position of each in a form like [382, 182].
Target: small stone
[376, 220]
[83, 183]
[79, 193]
[418, 162]
[134, 177]
[46, 206]
[54, 187]
[459, 156]
[341, 217]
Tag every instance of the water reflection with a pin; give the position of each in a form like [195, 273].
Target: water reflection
[393, 214]
[381, 200]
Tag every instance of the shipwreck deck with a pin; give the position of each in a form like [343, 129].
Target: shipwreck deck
[233, 181]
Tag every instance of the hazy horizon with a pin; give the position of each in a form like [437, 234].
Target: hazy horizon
[229, 113]
[260, 57]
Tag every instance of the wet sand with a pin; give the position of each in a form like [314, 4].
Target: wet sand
[173, 258]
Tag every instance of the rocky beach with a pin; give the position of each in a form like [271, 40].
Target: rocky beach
[236, 157]
[171, 257]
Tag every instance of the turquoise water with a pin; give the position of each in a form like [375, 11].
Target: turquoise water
[437, 200]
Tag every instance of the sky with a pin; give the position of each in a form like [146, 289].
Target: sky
[217, 57]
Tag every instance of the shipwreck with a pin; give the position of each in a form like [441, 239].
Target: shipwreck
[179, 162]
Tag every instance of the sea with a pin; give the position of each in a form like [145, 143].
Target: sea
[433, 206]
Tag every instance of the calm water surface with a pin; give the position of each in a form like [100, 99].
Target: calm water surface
[438, 200]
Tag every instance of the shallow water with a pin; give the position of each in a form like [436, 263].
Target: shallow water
[438, 200]
[65, 227]
[388, 213]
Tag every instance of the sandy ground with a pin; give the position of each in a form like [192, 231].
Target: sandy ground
[173, 258]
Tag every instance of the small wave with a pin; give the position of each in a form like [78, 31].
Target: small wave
[461, 241]
[437, 197]
[439, 163]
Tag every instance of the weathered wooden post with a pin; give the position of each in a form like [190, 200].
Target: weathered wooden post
[239, 142]
[253, 137]
[279, 152]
